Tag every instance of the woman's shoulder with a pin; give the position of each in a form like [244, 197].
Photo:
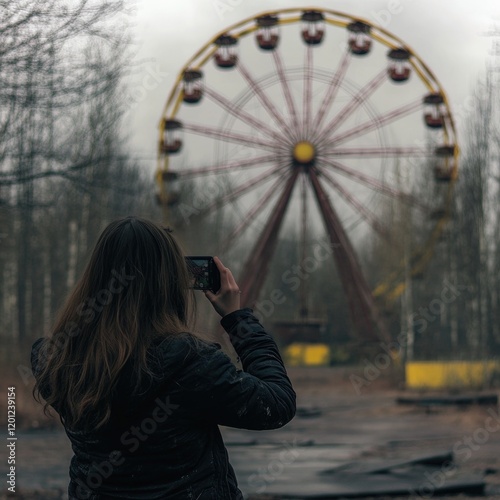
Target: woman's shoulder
[187, 344]
[184, 355]
[184, 338]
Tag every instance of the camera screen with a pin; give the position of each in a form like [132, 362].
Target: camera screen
[200, 271]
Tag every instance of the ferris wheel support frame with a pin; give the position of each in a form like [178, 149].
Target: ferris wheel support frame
[364, 313]
[255, 270]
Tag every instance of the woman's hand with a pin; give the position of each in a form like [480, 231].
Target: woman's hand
[227, 299]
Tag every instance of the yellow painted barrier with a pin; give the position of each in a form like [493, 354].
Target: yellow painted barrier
[450, 374]
[305, 354]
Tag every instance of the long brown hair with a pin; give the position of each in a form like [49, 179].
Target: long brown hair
[135, 288]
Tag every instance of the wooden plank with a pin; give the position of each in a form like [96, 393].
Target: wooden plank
[445, 400]
[370, 485]
[382, 466]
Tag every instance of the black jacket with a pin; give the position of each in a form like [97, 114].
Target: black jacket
[166, 443]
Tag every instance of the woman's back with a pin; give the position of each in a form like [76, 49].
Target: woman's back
[146, 425]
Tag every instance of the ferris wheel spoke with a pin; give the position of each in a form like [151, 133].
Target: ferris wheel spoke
[306, 100]
[333, 88]
[363, 128]
[375, 184]
[234, 165]
[358, 99]
[259, 206]
[230, 136]
[286, 93]
[369, 216]
[264, 99]
[387, 152]
[242, 115]
[240, 190]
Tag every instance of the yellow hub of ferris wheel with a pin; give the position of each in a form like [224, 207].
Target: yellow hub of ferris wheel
[304, 152]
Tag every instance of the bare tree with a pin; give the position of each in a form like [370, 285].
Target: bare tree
[62, 163]
[43, 72]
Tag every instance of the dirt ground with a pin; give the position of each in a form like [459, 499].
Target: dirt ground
[377, 428]
[335, 424]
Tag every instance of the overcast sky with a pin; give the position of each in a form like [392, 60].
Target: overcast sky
[449, 35]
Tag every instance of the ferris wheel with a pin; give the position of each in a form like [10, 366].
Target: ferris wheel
[293, 111]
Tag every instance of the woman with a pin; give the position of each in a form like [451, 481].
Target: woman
[139, 395]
